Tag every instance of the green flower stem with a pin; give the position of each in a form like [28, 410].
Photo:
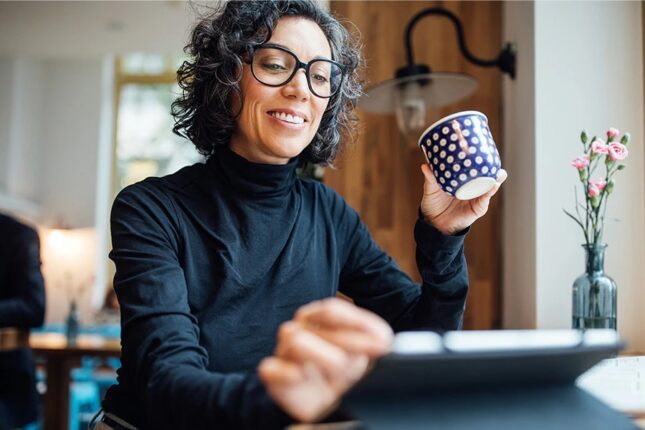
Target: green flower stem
[603, 203]
[585, 228]
[576, 220]
[587, 203]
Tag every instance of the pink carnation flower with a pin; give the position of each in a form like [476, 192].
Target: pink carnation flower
[593, 190]
[580, 162]
[612, 132]
[617, 151]
[599, 147]
[599, 183]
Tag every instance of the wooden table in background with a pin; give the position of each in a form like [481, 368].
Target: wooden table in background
[60, 359]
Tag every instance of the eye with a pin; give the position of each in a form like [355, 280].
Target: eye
[320, 72]
[273, 67]
[321, 79]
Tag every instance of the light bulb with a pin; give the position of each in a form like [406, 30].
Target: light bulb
[410, 109]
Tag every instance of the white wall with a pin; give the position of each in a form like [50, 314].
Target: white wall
[50, 142]
[20, 138]
[73, 29]
[588, 74]
[5, 118]
[25, 135]
[72, 102]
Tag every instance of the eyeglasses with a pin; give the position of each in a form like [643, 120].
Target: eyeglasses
[274, 66]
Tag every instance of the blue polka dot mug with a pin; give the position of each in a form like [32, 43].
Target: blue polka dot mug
[461, 151]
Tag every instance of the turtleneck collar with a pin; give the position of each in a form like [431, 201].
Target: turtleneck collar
[253, 179]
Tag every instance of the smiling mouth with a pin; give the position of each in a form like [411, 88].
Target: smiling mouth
[292, 119]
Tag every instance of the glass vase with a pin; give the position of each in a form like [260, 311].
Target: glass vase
[594, 293]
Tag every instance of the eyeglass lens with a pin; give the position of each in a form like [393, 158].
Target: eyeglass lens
[276, 67]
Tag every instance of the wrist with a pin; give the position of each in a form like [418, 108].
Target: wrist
[446, 231]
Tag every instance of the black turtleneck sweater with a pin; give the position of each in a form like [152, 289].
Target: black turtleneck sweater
[212, 259]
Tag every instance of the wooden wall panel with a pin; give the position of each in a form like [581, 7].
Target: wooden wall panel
[380, 175]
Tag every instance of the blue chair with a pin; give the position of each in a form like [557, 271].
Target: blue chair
[84, 396]
[84, 401]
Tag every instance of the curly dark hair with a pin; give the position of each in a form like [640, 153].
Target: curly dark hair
[219, 43]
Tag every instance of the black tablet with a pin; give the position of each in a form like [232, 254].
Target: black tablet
[425, 362]
[490, 380]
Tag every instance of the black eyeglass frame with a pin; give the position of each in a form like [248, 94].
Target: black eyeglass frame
[299, 65]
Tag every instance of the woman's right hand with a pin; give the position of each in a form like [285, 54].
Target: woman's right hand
[320, 354]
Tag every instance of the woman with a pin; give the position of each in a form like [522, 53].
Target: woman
[226, 271]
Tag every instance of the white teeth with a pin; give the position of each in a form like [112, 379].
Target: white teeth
[288, 117]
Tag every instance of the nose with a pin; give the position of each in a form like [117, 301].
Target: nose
[297, 87]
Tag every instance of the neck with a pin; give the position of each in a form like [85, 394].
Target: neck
[253, 179]
[254, 154]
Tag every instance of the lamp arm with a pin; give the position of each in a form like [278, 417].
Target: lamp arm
[505, 59]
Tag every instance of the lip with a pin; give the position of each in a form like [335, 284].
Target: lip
[289, 112]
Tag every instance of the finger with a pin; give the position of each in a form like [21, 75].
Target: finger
[337, 313]
[274, 370]
[430, 185]
[490, 193]
[427, 171]
[301, 391]
[341, 380]
[334, 313]
[480, 205]
[354, 342]
[302, 346]
[358, 366]
[501, 177]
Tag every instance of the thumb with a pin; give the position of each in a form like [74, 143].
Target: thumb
[430, 185]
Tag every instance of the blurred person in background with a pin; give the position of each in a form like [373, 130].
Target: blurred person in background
[22, 306]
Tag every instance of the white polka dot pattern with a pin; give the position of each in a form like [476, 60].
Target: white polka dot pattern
[461, 144]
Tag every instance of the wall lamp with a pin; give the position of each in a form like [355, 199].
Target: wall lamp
[415, 88]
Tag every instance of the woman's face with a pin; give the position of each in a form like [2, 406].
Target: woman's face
[261, 137]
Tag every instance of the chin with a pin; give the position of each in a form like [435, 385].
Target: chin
[289, 149]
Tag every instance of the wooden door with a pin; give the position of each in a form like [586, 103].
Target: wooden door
[380, 174]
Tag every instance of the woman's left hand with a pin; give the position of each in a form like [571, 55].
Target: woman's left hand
[449, 214]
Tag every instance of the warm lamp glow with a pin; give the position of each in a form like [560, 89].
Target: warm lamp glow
[68, 265]
[410, 109]
[66, 247]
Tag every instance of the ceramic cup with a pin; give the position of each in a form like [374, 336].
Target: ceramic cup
[461, 151]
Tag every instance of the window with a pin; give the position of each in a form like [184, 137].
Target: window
[145, 144]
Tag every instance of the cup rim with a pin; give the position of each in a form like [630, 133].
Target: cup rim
[447, 118]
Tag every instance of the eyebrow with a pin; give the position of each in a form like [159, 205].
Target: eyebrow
[279, 45]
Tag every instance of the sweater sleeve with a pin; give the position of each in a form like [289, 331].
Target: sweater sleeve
[161, 354]
[373, 280]
[24, 305]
